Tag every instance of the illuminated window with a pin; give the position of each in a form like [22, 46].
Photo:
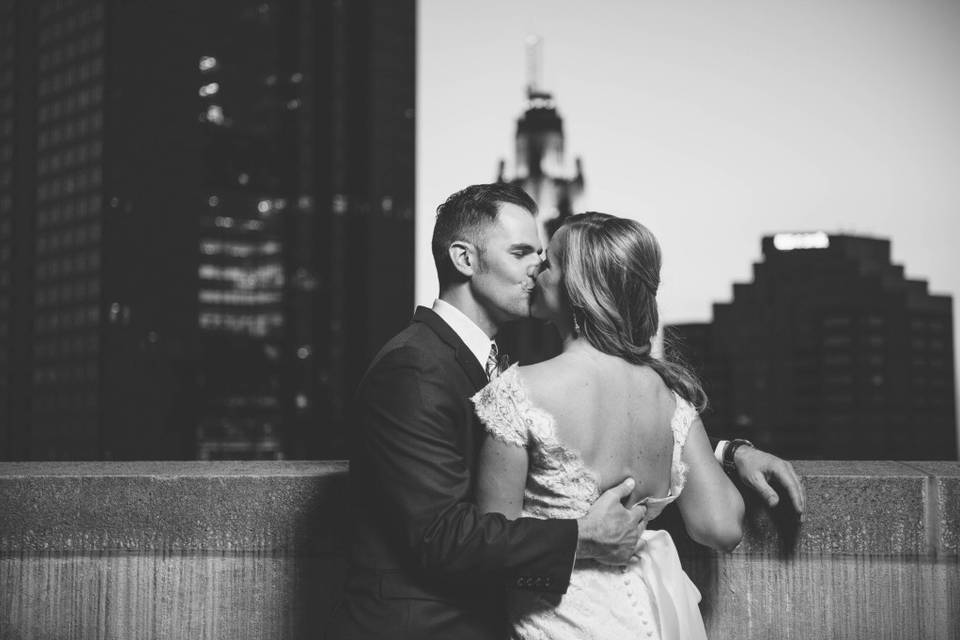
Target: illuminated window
[215, 114]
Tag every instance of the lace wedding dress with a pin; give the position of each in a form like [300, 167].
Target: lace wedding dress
[651, 597]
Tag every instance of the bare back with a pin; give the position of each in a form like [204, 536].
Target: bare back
[615, 414]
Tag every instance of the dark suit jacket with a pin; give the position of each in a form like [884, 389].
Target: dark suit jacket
[424, 563]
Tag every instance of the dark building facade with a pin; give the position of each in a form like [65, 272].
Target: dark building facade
[831, 352]
[542, 169]
[206, 222]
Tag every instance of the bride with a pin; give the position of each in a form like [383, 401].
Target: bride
[561, 432]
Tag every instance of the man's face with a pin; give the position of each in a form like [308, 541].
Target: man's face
[509, 260]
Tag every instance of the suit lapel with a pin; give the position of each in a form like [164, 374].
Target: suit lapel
[464, 356]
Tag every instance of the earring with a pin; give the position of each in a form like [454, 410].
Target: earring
[576, 325]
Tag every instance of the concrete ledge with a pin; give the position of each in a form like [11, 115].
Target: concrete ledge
[943, 503]
[855, 508]
[249, 550]
[170, 506]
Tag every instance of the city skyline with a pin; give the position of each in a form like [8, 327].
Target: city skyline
[713, 125]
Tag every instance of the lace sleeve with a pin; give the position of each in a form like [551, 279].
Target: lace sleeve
[500, 412]
[683, 418]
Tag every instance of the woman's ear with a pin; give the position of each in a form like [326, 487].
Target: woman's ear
[463, 255]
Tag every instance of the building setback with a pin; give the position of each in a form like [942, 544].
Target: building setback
[206, 222]
[831, 352]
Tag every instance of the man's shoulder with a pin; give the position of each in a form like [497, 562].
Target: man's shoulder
[416, 345]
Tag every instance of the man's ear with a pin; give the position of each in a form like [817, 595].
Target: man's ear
[463, 255]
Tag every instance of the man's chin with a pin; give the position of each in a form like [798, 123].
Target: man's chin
[521, 312]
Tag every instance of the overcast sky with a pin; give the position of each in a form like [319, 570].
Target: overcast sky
[713, 123]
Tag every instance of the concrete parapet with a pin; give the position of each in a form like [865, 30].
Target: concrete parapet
[249, 550]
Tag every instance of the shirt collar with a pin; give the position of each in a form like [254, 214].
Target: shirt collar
[473, 336]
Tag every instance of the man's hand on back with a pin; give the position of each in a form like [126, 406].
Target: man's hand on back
[610, 532]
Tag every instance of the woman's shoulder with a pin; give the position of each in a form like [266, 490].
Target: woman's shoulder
[554, 376]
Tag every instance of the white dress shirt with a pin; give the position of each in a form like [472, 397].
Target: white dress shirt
[473, 336]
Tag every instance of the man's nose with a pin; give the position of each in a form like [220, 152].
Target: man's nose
[534, 270]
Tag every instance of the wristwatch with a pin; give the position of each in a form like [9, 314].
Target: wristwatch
[728, 464]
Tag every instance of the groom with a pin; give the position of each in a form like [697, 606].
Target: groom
[424, 563]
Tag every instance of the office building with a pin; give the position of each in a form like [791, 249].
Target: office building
[541, 167]
[831, 352]
[207, 228]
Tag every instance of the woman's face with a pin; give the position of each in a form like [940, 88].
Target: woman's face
[548, 296]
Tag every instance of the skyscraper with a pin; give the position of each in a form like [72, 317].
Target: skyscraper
[203, 192]
[541, 168]
[540, 163]
[831, 352]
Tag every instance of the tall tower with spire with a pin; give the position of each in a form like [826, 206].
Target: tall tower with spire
[540, 165]
[541, 169]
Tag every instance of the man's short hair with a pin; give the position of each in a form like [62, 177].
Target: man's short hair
[465, 216]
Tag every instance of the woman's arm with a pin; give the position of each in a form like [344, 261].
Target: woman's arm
[710, 504]
[502, 477]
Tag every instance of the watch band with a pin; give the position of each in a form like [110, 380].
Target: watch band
[728, 461]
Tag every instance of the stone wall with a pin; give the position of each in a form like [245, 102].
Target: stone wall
[250, 550]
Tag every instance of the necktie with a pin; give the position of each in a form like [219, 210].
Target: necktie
[493, 362]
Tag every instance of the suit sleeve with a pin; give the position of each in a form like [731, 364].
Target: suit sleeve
[411, 430]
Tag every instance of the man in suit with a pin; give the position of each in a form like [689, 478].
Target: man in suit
[424, 563]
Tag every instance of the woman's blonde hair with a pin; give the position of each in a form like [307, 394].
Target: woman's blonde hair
[611, 273]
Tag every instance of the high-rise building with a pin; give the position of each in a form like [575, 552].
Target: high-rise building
[542, 169]
[540, 163]
[831, 352]
[206, 221]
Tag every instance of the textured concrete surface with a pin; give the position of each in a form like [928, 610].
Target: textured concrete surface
[873, 507]
[944, 501]
[170, 506]
[249, 550]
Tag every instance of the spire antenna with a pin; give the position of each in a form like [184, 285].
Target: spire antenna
[534, 46]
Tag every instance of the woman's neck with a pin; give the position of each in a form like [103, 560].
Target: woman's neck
[578, 345]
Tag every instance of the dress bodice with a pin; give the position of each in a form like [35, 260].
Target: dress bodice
[651, 597]
[559, 483]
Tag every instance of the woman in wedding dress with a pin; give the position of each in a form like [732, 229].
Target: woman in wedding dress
[561, 432]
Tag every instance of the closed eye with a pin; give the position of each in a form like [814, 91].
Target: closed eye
[522, 250]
